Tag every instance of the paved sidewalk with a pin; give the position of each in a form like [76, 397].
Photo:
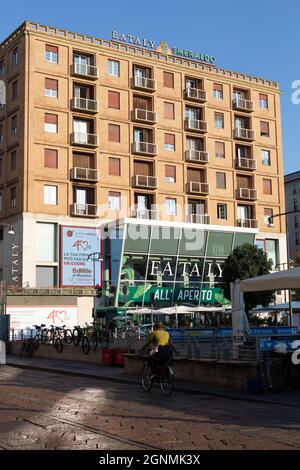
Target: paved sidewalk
[117, 374]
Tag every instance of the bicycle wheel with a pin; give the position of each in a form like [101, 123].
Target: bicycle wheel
[30, 348]
[147, 377]
[68, 337]
[36, 343]
[85, 344]
[167, 381]
[93, 341]
[76, 336]
[59, 345]
[23, 348]
[44, 336]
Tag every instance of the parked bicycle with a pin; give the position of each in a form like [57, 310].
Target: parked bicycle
[30, 345]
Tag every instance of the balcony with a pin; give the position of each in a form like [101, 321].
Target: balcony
[83, 104]
[143, 115]
[198, 218]
[196, 156]
[143, 83]
[243, 105]
[195, 125]
[195, 187]
[86, 140]
[84, 174]
[144, 148]
[245, 163]
[2, 108]
[195, 94]
[246, 193]
[84, 210]
[247, 223]
[149, 214]
[86, 71]
[244, 134]
[143, 181]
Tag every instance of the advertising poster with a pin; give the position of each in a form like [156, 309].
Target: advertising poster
[23, 317]
[80, 256]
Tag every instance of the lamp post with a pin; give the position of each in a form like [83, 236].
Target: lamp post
[10, 228]
[96, 256]
[270, 223]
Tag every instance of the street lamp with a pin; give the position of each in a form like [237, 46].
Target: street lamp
[270, 224]
[10, 228]
[95, 257]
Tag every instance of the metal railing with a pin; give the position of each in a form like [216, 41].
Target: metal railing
[80, 138]
[246, 193]
[195, 125]
[242, 104]
[247, 223]
[246, 163]
[143, 115]
[143, 82]
[84, 210]
[195, 94]
[84, 104]
[140, 213]
[198, 218]
[144, 181]
[85, 70]
[144, 148]
[198, 156]
[87, 174]
[199, 188]
[241, 133]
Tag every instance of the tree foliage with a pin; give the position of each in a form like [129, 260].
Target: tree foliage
[244, 262]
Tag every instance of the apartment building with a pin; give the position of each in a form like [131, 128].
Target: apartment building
[292, 203]
[96, 130]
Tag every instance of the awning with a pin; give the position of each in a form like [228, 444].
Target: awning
[288, 279]
[277, 308]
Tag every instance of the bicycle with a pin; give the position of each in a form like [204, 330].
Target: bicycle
[164, 375]
[30, 345]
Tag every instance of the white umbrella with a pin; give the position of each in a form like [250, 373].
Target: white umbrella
[240, 324]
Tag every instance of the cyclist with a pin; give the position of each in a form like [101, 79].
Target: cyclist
[163, 349]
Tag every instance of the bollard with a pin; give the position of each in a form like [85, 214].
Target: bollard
[2, 353]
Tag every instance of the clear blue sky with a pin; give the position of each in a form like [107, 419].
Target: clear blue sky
[257, 37]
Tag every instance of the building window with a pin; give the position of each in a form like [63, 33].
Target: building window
[297, 238]
[220, 149]
[169, 110]
[170, 174]
[13, 160]
[168, 80]
[263, 101]
[14, 90]
[15, 56]
[220, 180]
[1, 207]
[1, 167]
[50, 195]
[170, 142]
[270, 248]
[114, 201]
[222, 211]
[51, 54]
[171, 206]
[46, 276]
[219, 121]
[218, 91]
[113, 68]
[2, 68]
[114, 166]
[113, 99]
[266, 157]
[113, 133]
[296, 219]
[264, 129]
[267, 214]
[1, 134]
[51, 123]
[14, 128]
[267, 186]
[51, 88]
[295, 201]
[50, 158]
[13, 197]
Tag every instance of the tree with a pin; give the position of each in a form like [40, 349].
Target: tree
[244, 262]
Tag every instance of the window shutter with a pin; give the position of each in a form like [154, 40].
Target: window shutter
[243, 182]
[113, 133]
[267, 186]
[50, 48]
[168, 80]
[114, 166]
[220, 148]
[51, 118]
[264, 127]
[113, 99]
[221, 180]
[263, 97]
[218, 87]
[170, 139]
[141, 103]
[169, 110]
[195, 176]
[51, 84]
[50, 158]
[268, 212]
[170, 171]
[143, 168]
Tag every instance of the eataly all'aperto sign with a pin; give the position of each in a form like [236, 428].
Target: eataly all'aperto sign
[161, 47]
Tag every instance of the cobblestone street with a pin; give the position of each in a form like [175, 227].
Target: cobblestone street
[42, 410]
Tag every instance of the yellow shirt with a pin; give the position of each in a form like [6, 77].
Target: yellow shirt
[159, 338]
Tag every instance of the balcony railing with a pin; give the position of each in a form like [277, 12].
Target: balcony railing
[195, 94]
[247, 223]
[144, 148]
[86, 174]
[198, 218]
[195, 125]
[2, 108]
[196, 156]
[243, 105]
[143, 115]
[246, 163]
[144, 181]
[79, 138]
[83, 70]
[198, 188]
[246, 193]
[143, 83]
[84, 210]
[141, 213]
[83, 104]
[245, 134]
